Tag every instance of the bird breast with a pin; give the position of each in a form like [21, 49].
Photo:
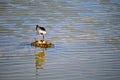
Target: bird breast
[41, 32]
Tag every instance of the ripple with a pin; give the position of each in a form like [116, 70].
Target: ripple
[85, 35]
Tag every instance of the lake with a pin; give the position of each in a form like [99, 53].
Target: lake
[85, 34]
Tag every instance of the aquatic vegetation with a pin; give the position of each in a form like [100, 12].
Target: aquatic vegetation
[42, 44]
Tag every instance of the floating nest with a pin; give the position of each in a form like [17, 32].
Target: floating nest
[42, 44]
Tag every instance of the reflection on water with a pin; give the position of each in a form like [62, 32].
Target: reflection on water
[86, 35]
[39, 61]
[39, 57]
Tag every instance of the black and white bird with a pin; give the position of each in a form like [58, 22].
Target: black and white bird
[41, 31]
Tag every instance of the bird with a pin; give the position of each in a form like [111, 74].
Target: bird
[41, 31]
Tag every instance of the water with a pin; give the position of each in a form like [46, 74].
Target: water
[85, 34]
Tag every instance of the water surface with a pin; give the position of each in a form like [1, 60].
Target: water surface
[85, 34]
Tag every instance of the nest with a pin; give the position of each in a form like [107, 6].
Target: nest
[42, 44]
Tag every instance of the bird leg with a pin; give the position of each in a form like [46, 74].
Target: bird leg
[43, 37]
[35, 38]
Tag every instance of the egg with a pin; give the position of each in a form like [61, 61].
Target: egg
[39, 42]
[44, 42]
